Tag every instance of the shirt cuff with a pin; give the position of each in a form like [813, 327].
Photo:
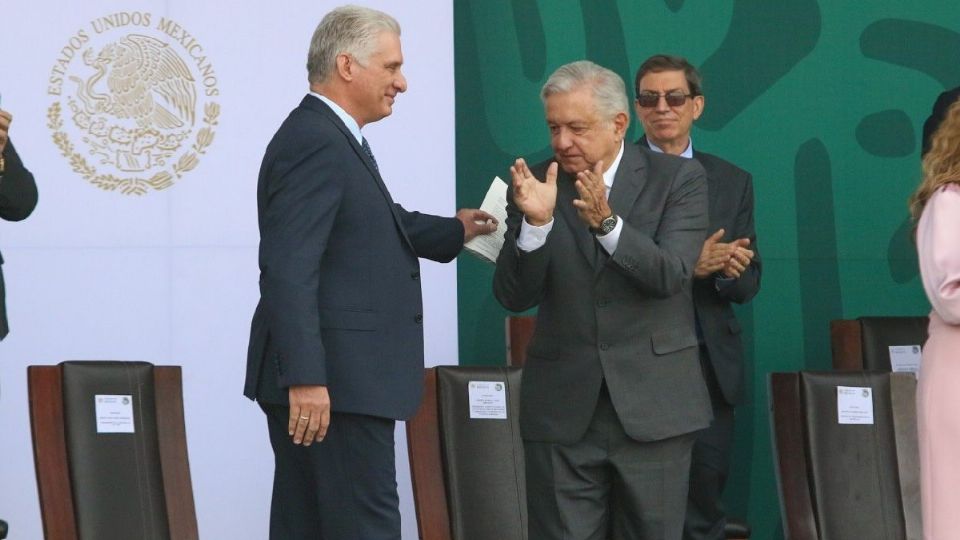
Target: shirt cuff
[611, 240]
[533, 237]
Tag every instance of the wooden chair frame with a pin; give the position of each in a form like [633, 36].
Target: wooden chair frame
[50, 452]
[426, 469]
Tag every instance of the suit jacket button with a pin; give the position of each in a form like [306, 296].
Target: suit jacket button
[602, 302]
[604, 346]
[415, 275]
[419, 318]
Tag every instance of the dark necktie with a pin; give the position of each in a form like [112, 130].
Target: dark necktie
[369, 152]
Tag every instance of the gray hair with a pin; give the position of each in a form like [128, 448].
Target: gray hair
[609, 92]
[347, 29]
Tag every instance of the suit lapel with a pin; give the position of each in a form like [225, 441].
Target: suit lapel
[713, 196]
[313, 103]
[629, 181]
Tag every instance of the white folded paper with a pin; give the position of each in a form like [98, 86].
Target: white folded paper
[487, 246]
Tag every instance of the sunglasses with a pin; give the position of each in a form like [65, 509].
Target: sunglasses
[651, 99]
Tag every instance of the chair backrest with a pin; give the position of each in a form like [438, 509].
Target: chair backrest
[841, 481]
[519, 329]
[864, 343]
[467, 465]
[110, 451]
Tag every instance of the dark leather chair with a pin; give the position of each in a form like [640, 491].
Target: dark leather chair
[864, 343]
[468, 479]
[111, 485]
[519, 329]
[846, 481]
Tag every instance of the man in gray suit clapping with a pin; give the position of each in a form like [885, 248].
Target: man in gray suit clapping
[604, 238]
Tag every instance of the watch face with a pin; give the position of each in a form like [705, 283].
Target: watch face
[608, 224]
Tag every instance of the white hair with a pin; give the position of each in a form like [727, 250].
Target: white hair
[347, 29]
[609, 92]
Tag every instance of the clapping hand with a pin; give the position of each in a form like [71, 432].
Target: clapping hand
[727, 258]
[535, 199]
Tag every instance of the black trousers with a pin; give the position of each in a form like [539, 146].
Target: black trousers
[343, 488]
[710, 463]
[607, 485]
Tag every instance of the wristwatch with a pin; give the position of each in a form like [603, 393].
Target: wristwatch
[608, 224]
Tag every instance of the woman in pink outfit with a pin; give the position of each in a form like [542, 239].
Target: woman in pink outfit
[936, 207]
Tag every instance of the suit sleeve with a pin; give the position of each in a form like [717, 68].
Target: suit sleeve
[518, 281]
[744, 288]
[662, 266]
[433, 237]
[18, 190]
[297, 219]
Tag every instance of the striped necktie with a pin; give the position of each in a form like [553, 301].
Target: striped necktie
[369, 152]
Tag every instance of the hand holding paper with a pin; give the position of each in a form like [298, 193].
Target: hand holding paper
[476, 223]
[494, 207]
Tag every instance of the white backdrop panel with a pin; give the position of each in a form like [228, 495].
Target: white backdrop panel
[170, 276]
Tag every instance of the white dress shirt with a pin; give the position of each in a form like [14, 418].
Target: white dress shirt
[533, 237]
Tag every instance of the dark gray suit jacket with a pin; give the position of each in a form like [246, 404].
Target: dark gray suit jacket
[730, 190]
[340, 301]
[18, 198]
[626, 318]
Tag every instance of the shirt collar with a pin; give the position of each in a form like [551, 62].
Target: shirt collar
[348, 120]
[687, 153]
[611, 172]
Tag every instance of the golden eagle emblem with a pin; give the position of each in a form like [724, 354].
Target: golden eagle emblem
[139, 114]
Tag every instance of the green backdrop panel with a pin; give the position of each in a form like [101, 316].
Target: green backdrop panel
[822, 101]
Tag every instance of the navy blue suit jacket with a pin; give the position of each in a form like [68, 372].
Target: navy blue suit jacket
[340, 301]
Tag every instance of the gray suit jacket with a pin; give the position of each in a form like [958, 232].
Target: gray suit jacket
[731, 208]
[626, 318]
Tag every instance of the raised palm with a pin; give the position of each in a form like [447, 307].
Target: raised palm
[535, 199]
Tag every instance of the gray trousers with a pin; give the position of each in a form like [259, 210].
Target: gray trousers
[607, 485]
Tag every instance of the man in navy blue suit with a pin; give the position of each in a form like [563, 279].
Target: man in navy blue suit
[336, 346]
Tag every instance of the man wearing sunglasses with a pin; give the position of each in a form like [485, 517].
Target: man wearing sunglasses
[669, 100]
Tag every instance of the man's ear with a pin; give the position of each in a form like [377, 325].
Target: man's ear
[620, 123]
[345, 66]
[698, 103]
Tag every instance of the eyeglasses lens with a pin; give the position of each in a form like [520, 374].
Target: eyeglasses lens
[649, 99]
